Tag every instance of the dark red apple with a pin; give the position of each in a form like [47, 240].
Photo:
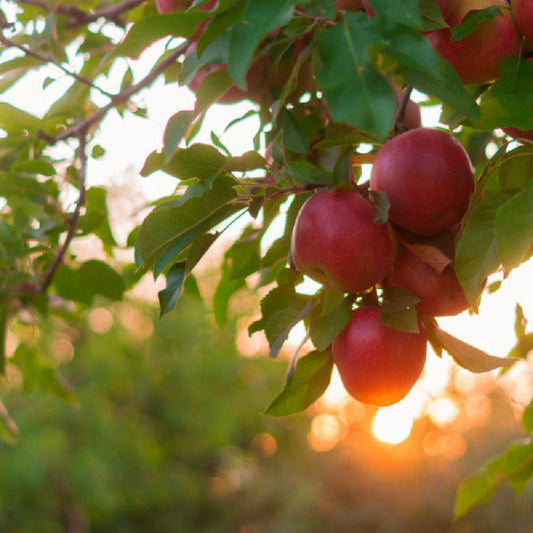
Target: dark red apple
[171, 6]
[336, 242]
[378, 365]
[428, 178]
[440, 294]
[522, 11]
[515, 133]
[477, 57]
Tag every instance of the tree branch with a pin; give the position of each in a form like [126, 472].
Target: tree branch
[73, 219]
[400, 112]
[79, 17]
[47, 59]
[118, 99]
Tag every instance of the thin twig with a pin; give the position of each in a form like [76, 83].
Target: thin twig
[118, 99]
[79, 17]
[73, 219]
[402, 106]
[47, 59]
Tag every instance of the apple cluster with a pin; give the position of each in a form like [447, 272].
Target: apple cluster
[428, 179]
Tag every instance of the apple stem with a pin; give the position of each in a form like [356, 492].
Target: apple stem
[404, 100]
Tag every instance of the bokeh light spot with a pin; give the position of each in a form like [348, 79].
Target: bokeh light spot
[326, 432]
[392, 425]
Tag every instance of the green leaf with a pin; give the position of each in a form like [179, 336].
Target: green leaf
[476, 490]
[35, 166]
[381, 204]
[258, 18]
[13, 120]
[402, 320]
[426, 70]
[281, 309]
[473, 19]
[92, 278]
[96, 218]
[406, 12]
[477, 252]
[508, 102]
[513, 228]
[218, 23]
[354, 90]
[171, 220]
[431, 15]
[527, 418]
[250, 160]
[226, 288]
[308, 382]
[515, 466]
[15, 186]
[4, 316]
[468, 356]
[244, 256]
[201, 161]
[39, 373]
[320, 8]
[303, 172]
[174, 285]
[328, 325]
[145, 32]
[11, 242]
[293, 134]
[175, 131]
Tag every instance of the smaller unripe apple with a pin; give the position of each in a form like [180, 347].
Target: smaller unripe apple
[428, 178]
[439, 294]
[378, 365]
[336, 242]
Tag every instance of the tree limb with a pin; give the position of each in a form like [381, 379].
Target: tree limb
[73, 219]
[47, 59]
[118, 99]
[78, 17]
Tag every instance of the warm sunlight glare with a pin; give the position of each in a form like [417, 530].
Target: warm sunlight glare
[392, 424]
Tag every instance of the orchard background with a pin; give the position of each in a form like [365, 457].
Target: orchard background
[317, 88]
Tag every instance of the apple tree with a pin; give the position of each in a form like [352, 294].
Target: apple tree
[331, 84]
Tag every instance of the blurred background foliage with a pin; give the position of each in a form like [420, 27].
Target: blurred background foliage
[165, 435]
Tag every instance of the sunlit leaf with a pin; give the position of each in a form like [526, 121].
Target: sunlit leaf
[469, 356]
[309, 381]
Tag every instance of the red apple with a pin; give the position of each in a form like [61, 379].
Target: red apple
[477, 57]
[378, 365]
[439, 294]
[522, 11]
[515, 133]
[336, 242]
[171, 6]
[428, 178]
